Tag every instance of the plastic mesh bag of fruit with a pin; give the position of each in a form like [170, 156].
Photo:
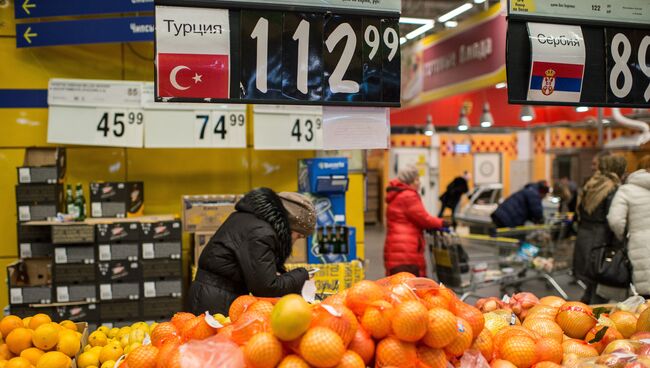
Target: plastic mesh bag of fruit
[630, 304]
[473, 359]
[613, 360]
[216, 351]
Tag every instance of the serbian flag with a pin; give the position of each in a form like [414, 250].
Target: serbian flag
[555, 81]
[193, 75]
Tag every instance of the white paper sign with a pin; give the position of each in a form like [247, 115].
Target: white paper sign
[93, 93]
[117, 127]
[279, 127]
[356, 128]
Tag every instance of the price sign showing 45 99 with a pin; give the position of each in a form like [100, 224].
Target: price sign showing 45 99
[116, 126]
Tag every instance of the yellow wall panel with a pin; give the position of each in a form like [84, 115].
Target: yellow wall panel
[23, 127]
[4, 262]
[138, 61]
[355, 204]
[9, 160]
[277, 170]
[7, 23]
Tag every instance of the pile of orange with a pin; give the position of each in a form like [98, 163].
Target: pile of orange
[37, 342]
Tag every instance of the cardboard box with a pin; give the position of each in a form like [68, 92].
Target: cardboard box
[207, 212]
[323, 175]
[75, 253]
[162, 231]
[75, 293]
[117, 199]
[119, 312]
[119, 291]
[119, 270]
[199, 241]
[117, 232]
[30, 194]
[35, 250]
[73, 273]
[87, 312]
[334, 277]
[161, 269]
[34, 233]
[163, 288]
[161, 250]
[42, 165]
[72, 233]
[30, 281]
[39, 212]
[161, 309]
[118, 252]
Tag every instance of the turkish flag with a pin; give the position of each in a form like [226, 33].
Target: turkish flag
[193, 76]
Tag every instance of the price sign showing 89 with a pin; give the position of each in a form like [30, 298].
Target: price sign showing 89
[628, 69]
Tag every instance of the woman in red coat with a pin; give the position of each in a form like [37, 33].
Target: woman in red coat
[406, 218]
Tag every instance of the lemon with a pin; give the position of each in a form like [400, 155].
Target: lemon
[108, 364]
[124, 331]
[87, 348]
[97, 338]
[68, 325]
[137, 335]
[87, 359]
[124, 341]
[103, 329]
[69, 345]
[132, 347]
[113, 332]
[110, 352]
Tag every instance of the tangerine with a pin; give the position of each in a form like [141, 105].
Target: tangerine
[484, 344]
[19, 339]
[377, 319]
[32, 354]
[293, 361]
[46, 336]
[262, 306]
[164, 332]
[9, 323]
[625, 322]
[470, 314]
[362, 294]
[432, 358]
[144, 356]
[575, 319]
[39, 319]
[197, 329]
[351, 359]
[249, 324]
[442, 328]
[337, 318]
[392, 352]
[263, 351]
[463, 340]
[321, 347]
[239, 306]
[643, 323]
[549, 350]
[519, 350]
[410, 321]
[18, 362]
[545, 328]
[363, 345]
[180, 318]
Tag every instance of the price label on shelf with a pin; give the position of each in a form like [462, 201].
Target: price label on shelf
[288, 127]
[93, 93]
[222, 127]
[118, 127]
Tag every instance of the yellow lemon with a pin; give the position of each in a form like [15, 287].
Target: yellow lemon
[46, 336]
[110, 352]
[69, 345]
[87, 359]
[137, 335]
[32, 354]
[108, 364]
[95, 350]
[97, 338]
[124, 341]
[124, 331]
[54, 359]
[103, 329]
[113, 332]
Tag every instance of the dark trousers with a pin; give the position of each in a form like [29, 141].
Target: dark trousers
[453, 212]
[590, 296]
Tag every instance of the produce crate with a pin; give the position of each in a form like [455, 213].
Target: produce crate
[29, 281]
[119, 291]
[75, 293]
[124, 271]
[161, 250]
[73, 234]
[163, 288]
[73, 273]
[122, 311]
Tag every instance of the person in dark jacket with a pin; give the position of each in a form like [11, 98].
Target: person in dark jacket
[248, 252]
[593, 229]
[453, 194]
[524, 205]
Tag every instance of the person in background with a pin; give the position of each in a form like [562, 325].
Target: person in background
[595, 161]
[406, 218]
[572, 187]
[453, 194]
[563, 193]
[591, 216]
[629, 216]
[248, 252]
[524, 205]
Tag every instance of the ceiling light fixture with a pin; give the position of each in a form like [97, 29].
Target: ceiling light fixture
[424, 28]
[582, 109]
[402, 40]
[501, 85]
[456, 12]
[479, 1]
[429, 129]
[487, 120]
[407, 20]
[527, 113]
[451, 24]
[463, 121]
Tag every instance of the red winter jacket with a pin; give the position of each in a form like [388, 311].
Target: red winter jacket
[406, 219]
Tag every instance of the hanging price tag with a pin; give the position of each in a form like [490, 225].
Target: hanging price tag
[288, 127]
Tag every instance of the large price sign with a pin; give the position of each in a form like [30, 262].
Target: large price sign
[600, 60]
[248, 55]
[288, 127]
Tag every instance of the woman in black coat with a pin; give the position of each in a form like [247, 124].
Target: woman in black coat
[248, 252]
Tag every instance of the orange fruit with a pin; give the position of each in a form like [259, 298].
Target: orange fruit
[263, 351]
[145, 356]
[46, 336]
[484, 344]
[291, 317]
[9, 323]
[392, 352]
[69, 325]
[470, 314]
[500, 363]
[625, 322]
[180, 318]
[547, 365]
[552, 301]
[336, 299]
[167, 352]
[226, 331]
[463, 340]
[520, 351]
[321, 347]
[54, 359]
[542, 311]
[377, 319]
[401, 293]
[363, 345]
[442, 328]
[579, 348]
[510, 331]
[432, 358]
[197, 329]
[410, 321]
[643, 323]
[262, 306]
[545, 328]
[351, 360]
[610, 335]
[164, 332]
[495, 322]
[293, 361]
[362, 294]
[19, 339]
[239, 306]
[32, 354]
[38, 320]
[18, 362]
[548, 350]
[575, 319]
[337, 318]
[400, 277]
[433, 300]
[248, 324]
[5, 354]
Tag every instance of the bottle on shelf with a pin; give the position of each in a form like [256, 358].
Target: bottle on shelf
[80, 203]
[336, 243]
[70, 206]
[343, 236]
[320, 240]
[329, 239]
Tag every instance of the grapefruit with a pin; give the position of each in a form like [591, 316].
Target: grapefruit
[625, 322]
[542, 311]
[578, 347]
[410, 321]
[552, 301]
[549, 350]
[575, 319]
[545, 328]
[291, 317]
[442, 328]
[322, 347]
[484, 344]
